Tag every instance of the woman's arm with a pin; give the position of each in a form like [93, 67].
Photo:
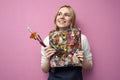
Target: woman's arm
[47, 52]
[86, 53]
[45, 66]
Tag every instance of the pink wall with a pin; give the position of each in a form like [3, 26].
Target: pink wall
[20, 56]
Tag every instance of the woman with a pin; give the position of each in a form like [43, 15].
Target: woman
[65, 19]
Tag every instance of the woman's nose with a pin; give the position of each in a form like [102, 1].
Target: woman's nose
[62, 16]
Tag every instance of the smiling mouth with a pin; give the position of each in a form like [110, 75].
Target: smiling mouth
[61, 21]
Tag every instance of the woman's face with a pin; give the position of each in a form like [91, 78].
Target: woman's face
[64, 18]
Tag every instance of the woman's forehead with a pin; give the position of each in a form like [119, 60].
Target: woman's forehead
[65, 10]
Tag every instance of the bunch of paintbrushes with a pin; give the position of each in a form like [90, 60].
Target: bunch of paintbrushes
[36, 36]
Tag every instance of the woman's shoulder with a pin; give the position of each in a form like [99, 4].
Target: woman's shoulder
[46, 38]
[83, 37]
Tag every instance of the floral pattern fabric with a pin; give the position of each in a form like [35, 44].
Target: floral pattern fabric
[67, 44]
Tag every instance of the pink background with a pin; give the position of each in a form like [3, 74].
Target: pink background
[20, 56]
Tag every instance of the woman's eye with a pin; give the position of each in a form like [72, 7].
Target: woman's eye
[67, 15]
[59, 14]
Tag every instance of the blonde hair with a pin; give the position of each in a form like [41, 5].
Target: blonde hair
[72, 25]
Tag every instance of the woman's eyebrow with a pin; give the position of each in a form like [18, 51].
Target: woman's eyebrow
[65, 12]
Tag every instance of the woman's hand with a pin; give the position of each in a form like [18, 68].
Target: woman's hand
[49, 52]
[80, 55]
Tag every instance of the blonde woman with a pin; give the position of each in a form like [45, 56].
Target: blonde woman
[65, 19]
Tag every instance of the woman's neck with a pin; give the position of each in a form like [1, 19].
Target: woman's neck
[63, 28]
